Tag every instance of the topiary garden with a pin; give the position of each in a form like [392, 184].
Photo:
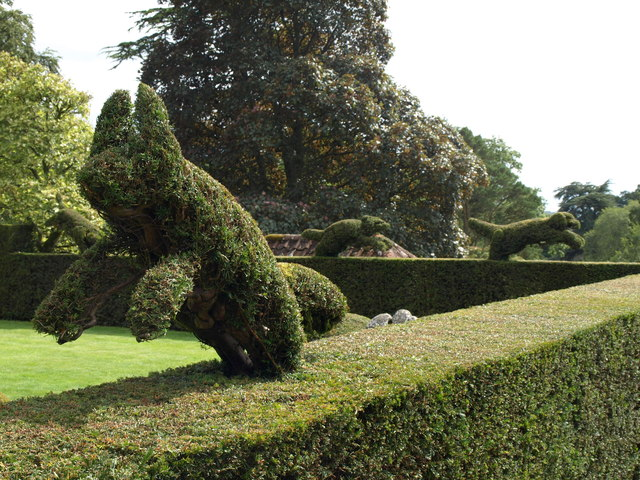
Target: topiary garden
[540, 386]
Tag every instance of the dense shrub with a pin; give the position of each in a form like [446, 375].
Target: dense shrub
[20, 237]
[371, 285]
[543, 387]
[198, 253]
[427, 286]
[321, 302]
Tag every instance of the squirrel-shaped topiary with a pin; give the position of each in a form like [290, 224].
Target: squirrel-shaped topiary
[513, 237]
[364, 232]
[204, 260]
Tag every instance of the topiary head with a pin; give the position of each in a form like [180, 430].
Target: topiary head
[563, 220]
[133, 152]
[372, 225]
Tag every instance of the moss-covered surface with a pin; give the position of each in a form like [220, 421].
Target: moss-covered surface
[542, 387]
[512, 238]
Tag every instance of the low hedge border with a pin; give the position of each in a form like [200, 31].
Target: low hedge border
[371, 285]
[545, 386]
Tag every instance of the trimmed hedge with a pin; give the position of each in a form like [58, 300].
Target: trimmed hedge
[371, 285]
[427, 286]
[21, 237]
[542, 387]
[27, 278]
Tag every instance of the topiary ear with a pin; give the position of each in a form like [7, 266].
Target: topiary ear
[114, 123]
[152, 124]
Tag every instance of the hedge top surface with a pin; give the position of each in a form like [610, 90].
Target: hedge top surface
[197, 410]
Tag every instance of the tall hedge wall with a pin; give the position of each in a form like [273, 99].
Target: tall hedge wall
[427, 286]
[541, 387]
[26, 278]
[371, 285]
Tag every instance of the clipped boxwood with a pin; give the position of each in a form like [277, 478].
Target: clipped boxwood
[542, 387]
[427, 286]
[371, 285]
[21, 237]
[27, 278]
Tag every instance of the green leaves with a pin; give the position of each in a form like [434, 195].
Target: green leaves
[503, 198]
[114, 123]
[290, 98]
[44, 137]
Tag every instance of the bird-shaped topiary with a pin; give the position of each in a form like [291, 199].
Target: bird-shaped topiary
[513, 237]
[204, 260]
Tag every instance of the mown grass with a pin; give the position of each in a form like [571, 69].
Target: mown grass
[32, 364]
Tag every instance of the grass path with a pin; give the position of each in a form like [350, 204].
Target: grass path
[32, 364]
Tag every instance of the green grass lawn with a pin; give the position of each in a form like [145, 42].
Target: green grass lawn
[33, 364]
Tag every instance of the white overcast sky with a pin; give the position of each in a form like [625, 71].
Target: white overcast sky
[557, 80]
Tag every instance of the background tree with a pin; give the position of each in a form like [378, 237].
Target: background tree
[44, 137]
[504, 199]
[290, 98]
[625, 197]
[585, 201]
[18, 39]
[615, 235]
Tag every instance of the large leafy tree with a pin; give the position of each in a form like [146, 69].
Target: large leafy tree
[18, 39]
[290, 98]
[585, 201]
[625, 197]
[44, 137]
[615, 235]
[504, 199]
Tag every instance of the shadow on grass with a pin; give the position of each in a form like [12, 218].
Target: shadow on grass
[72, 408]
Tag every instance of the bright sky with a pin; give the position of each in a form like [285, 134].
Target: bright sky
[557, 80]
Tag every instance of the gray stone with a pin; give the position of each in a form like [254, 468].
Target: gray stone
[402, 316]
[379, 320]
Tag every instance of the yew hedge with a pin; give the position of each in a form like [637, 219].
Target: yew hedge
[539, 387]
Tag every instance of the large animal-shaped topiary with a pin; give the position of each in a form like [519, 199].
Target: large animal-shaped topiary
[513, 237]
[204, 259]
[350, 233]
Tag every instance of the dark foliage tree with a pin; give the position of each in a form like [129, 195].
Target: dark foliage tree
[290, 98]
[504, 199]
[18, 39]
[585, 201]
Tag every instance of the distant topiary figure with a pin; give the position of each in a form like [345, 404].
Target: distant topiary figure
[202, 255]
[512, 238]
[321, 302]
[67, 221]
[350, 233]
